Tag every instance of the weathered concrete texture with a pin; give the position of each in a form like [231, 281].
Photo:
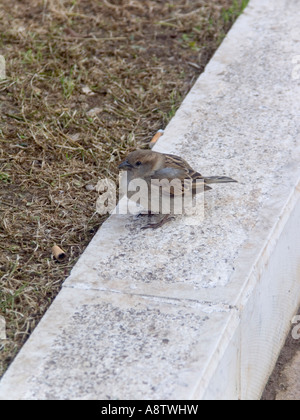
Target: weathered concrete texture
[114, 346]
[194, 311]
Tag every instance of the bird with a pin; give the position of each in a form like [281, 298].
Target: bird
[171, 174]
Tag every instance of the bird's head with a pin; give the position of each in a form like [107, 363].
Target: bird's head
[142, 163]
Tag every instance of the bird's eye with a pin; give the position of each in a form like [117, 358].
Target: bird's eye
[138, 163]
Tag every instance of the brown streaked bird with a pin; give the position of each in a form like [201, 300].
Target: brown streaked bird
[153, 167]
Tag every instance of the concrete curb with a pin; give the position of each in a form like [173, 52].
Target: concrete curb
[193, 312]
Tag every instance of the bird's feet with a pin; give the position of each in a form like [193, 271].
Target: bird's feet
[146, 213]
[167, 218]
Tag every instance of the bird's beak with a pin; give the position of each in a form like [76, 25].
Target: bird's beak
[125, 165]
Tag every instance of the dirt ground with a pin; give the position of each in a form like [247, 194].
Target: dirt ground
[284, 381]
[87, 82]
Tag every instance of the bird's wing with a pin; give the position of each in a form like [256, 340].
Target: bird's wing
[172, 177]
[187, 171]
[177, 168]
[198, 182]
[197, 185]
[171, 173]
[173, 161]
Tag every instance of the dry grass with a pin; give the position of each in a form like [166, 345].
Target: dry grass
[132, 60]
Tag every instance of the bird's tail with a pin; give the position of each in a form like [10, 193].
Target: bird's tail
[218, 179]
